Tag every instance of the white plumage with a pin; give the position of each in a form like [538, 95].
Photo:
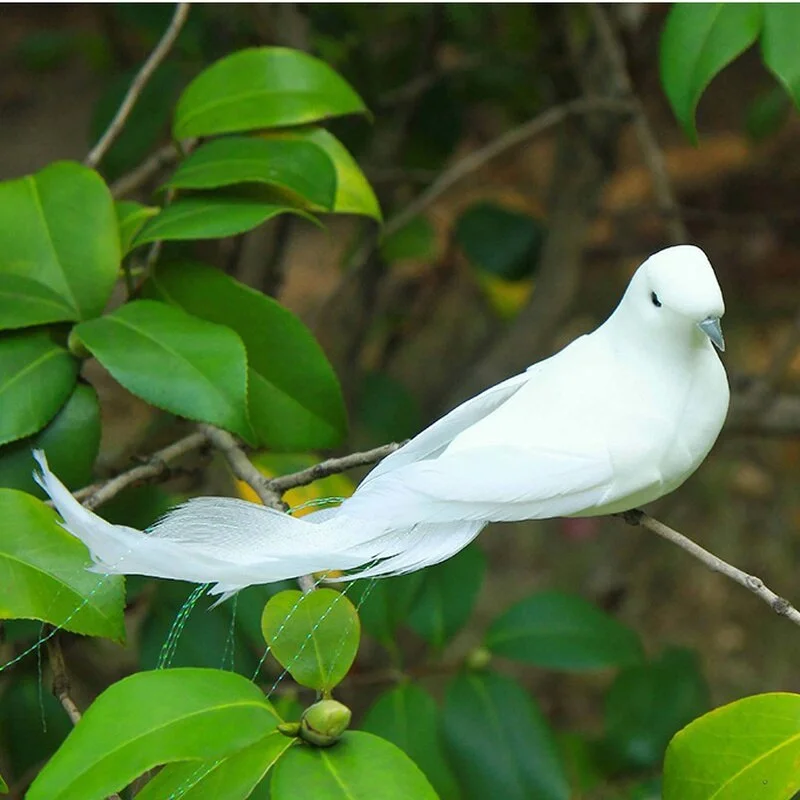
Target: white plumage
[617, 419]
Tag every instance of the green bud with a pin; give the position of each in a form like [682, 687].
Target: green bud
[479, 658]
[324, 722]
[289, 728]
[76, 346]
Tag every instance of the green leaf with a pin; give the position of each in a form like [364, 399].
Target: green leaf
[3, 786]
[359, 767]
[298, 167]
[36, 378]
[747, 749]
[647, 704]
[210, 217]
[407, 716]
[448, 594]
[354, 195]
[416, 240]
[131, 218]
[500, 241]
[231, 778]
[25, 302]
[384, 605]
[498, 741]
[699, 40]
[779, 45]
[767, 113]
[387, 409]
[71, 442]
[562, 631]
[44, 573]
[314, 636]
[174, 361]
[154, 718]
[294, 398]
[262, 87]
[60, 229]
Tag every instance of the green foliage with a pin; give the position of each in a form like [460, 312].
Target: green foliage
[60, 229]
[36, 378]
[274, 87]
[779, 45]
[43, 573]
[294, 399]
[749, 748]
[3, 786]
[314, 636]
[131, 218]
[499, 742]
[25, 302]
[384, 606]
[562, 631]
[356, 768]
[415, 240]
[175, 361]
[154, 718]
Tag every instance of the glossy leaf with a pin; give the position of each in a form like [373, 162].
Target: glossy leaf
[301, 168]
[448, 593]
[36, 378]
[647, 704]
[354, 195]
[231, 778]
[263, 87]
[562, 631]
[174, 361]
[779, 45]
[414, 241]
[210, 217]
[60, 229]
[71, 441]
[408, 717]
[747, 749]
[153, 718]
[313, 636]
[498, 741]
[384, 605]
[294, 398]
[44, 573]
[500, 241]
[698, 42]
[131, 218]
[25, 302]
[359, 767]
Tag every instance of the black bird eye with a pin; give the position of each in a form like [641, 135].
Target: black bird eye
[654, 298]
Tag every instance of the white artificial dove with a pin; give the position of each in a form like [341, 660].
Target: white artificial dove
[616, 419]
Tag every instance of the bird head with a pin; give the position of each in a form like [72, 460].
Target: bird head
[677, 287]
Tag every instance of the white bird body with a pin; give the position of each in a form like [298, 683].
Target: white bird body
[617, 419]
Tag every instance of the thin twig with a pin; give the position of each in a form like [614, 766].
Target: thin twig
[778, 604]
[332, 466]
[61, 685]
[148, 169]
[154, 60]
[651, 151]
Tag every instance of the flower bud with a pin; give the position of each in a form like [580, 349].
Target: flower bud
[324, 722]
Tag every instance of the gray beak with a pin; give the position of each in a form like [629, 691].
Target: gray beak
[713, 330]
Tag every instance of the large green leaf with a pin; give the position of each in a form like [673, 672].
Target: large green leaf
[698, 41]
[71, 442]
[408, 717]
[154, 718]
[298, 167]
[231, 778]
[44, 573]
[25, 302]
[384, 605]
[60, 229]
[448, 594]
[562, 631]
[747, 749]
[647, 704]
[294, 398]
[498, 741]
[262, 87]
[779, 45]
[175, 361]
[314, 636]
[354, 195]
[211, 216]
[36, 377]
[359, 766]
[131, 218]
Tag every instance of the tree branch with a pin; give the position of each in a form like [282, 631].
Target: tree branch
[149, 168]
[778, 604]
[154, 60]
[61, 685]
